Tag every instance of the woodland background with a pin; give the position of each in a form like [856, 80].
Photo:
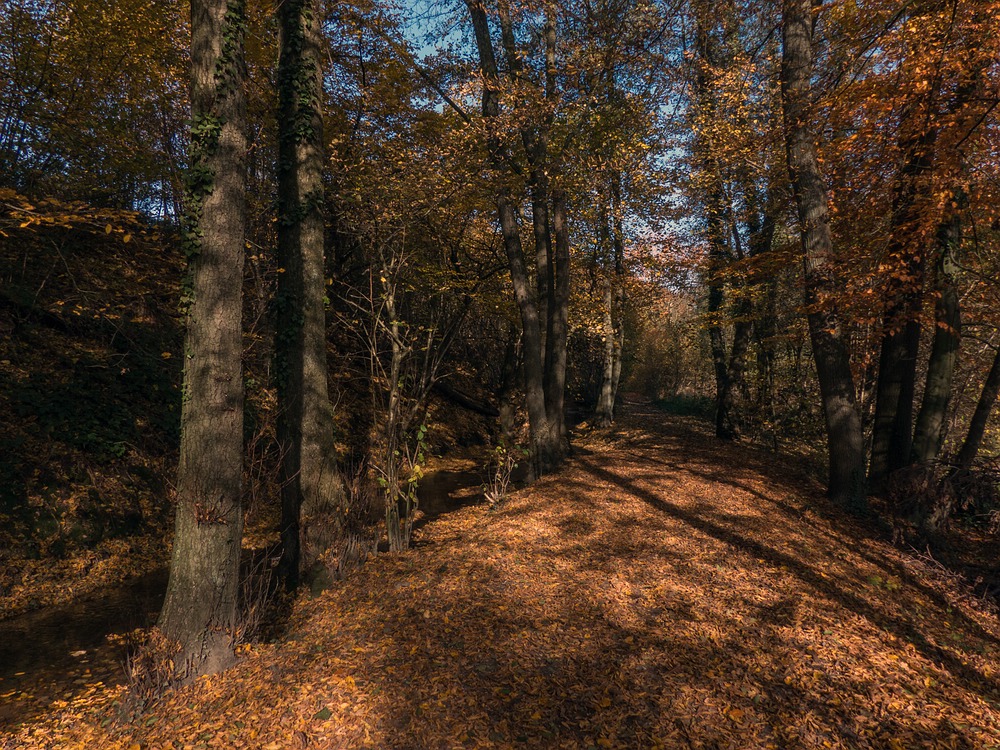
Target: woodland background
[780, 217]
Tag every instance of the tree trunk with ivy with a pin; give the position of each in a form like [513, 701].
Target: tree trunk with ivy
[200, 610]
[313, 493]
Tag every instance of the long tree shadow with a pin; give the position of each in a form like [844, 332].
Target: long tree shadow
[473, 650]
[704, 456]
[907, 630]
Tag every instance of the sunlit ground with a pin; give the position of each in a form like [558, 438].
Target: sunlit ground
[665, 590]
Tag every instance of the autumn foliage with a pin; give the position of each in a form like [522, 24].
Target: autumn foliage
[443, 235]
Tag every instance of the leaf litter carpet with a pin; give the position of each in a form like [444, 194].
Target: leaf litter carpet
[664, 591]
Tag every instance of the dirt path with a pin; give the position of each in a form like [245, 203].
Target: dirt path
[665, 590]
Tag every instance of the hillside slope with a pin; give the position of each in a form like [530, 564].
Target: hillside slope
[90, 341]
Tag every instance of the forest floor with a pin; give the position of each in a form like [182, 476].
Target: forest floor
[664, 590]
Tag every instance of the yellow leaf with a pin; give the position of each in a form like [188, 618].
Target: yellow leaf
[166, 355]
[107, 229]
[126, 238]
[736, 714]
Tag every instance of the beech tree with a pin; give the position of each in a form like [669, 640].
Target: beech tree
[200, 609]
[312, 490]
[611, 237]
[906, 255]
[845, 440]
[939, 47]
[544, 304]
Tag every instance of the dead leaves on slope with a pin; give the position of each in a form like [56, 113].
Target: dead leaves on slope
[664, 591]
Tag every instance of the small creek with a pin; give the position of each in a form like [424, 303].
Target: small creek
[59, 652]
[62, 652]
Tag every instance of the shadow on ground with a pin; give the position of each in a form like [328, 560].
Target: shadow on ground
[665, 590]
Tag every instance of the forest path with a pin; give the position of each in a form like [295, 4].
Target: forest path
[664, 590]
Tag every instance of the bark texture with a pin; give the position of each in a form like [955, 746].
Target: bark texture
[891, 432]
[612, 239]
[840, 407]
[543, 297]
[313, 494]
[981, 417]
[929, 432]
[715, 220]
[200, 608]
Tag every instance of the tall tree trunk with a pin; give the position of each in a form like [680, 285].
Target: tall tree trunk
[833, 367]
[534, 387]
[536, 146]
[726, 425]
[892, 446]
[534, 379]
[891, 432]
[924, 138]
[200, 608]
[761, 231]
[980, 418]
[717, 344]
[715, 213]
[618, 310]
[760, 228]
[538, 185]
[544, 306]
[604, 411]
[312, 489]
[764, 333]
[929, 431]
[556, 347]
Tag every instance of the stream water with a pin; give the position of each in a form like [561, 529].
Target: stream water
[59, 653]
